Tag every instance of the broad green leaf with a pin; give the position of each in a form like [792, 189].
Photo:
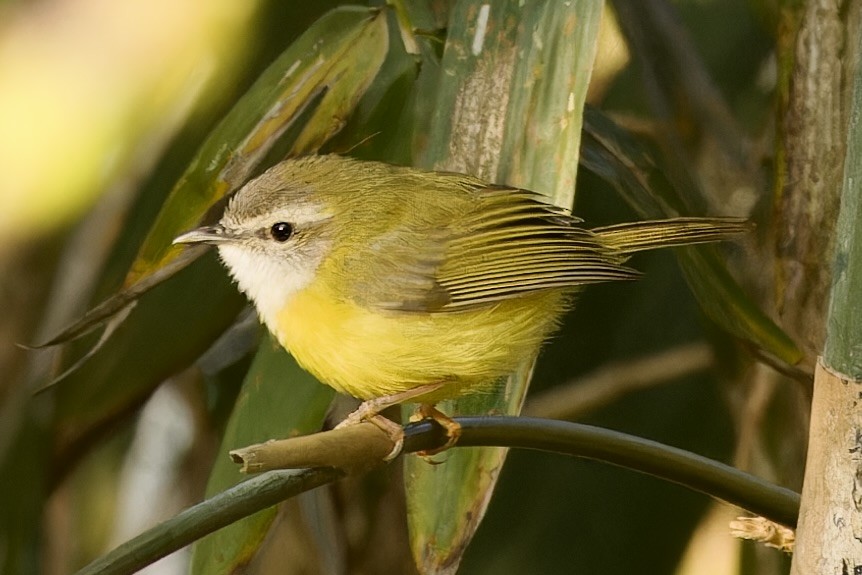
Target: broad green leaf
[511, 88]
[278, 400]
[447, 498]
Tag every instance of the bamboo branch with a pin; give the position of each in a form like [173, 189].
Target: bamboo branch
[699, 473]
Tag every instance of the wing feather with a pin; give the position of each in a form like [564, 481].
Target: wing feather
[508, 243]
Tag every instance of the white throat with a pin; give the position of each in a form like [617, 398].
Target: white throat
[267, 281]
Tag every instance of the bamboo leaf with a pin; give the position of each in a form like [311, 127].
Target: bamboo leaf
[510, 95]
[278, 399]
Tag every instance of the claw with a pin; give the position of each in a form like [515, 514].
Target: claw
[370, 411]
[452, 427]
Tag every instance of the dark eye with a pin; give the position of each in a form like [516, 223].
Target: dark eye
[281, 231]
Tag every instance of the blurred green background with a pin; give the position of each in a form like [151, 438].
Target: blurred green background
[103, 107]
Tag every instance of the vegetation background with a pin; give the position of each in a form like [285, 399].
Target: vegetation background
[742, 107]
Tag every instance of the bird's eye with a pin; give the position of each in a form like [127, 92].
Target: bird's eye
[281, 231]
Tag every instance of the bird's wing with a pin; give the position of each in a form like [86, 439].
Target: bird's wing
[507, 244]
[516, 244]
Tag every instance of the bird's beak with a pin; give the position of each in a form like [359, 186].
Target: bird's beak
[206, 235]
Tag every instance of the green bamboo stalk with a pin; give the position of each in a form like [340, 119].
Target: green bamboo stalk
[830, 523]
[843, 350]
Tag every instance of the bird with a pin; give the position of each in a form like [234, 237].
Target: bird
[394, 284]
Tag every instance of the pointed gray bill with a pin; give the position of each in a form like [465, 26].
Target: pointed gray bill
[205, 235]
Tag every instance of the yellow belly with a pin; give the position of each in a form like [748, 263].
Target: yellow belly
[371, 354]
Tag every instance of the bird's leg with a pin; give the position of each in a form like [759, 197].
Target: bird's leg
[370, 411]
[372, 407]
[452, 427]
[394, 431]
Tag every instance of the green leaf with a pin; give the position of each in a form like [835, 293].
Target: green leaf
[278, 399]
[511, 89]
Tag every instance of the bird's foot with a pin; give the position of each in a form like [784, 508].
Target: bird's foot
[452, 427]
[370, 411]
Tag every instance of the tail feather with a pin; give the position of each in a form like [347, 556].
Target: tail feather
[647, 235]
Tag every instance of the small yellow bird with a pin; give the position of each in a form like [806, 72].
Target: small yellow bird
[394, 284]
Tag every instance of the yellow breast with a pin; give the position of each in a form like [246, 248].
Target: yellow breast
[368, 353]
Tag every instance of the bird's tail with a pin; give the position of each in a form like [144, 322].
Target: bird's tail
[647, 235]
